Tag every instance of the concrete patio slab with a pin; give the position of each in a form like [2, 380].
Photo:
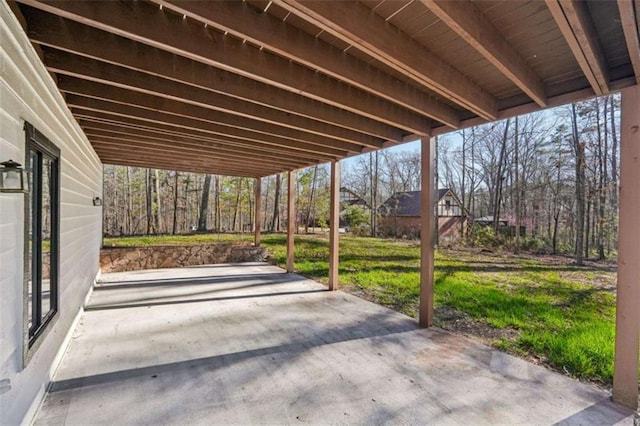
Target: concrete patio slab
[249, 344]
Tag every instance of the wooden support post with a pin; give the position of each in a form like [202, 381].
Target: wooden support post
[625, 376]
[291, 219]
[257, 227]
[427, 234]
[334, 223]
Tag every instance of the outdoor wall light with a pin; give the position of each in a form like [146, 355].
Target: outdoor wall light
[13, 178]
[97, 201]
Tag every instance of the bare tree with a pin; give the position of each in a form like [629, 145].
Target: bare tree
[204, 204]
[579, 151]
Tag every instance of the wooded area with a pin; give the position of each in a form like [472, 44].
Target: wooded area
[554, 172]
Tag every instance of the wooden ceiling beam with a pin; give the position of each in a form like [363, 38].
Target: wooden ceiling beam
[108, 157]
[91, 127]
[468, 22]
[80, 67]
[246, 137]
[574, 21]
[189, 147]
[630, 19]
[69, 36]
[245, 22]
[356, 24]
[151, 124]
[164, 153]
[90, 89]
[184, 37]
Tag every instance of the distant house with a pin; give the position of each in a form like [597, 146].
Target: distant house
[348, 201]
[400, 214]
[488, 221]
[350, 198]
[505, 227]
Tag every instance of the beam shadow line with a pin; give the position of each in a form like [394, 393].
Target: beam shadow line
[215, 362]
[266, 279]
[192, 300]
[107, 285]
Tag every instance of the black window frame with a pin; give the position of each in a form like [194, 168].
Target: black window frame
[45, 149]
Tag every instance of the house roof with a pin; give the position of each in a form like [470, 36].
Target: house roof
[251, 88]
[407, 203]
[489, 219]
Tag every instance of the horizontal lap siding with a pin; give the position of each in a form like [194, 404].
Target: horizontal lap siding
[28, 93]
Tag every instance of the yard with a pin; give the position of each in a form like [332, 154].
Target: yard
[541, 308]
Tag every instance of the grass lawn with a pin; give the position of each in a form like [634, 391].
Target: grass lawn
[540, 308]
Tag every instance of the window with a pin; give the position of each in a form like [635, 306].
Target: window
[447, 202]
[42, 233]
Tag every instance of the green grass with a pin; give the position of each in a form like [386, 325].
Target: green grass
[552, 310]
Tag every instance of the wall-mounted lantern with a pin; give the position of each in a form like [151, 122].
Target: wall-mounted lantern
[13, 178]
[97, 201]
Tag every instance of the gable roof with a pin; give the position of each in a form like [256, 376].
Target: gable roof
[407, 203]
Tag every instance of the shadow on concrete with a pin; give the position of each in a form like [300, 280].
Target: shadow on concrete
[604, 413]
[264, 279]
[196, 300]
[317, 338]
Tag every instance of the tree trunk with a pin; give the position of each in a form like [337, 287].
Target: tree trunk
[204, 204]
[464, 175]
[602, 161]
[237, 205]
[129, 203]
[517, 186]
[185, 216]
[148, 192]
[613, 199]
[311, 200]
[499, 178]
[579, 150]
[275, 219]
[158, 205]
[174, 228]
[218, 209]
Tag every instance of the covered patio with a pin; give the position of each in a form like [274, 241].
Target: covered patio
[251, 344]
[258, 87]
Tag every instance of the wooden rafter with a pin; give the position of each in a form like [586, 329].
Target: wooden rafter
[80, 40]
[179, 144]
[189, 39]
[248, 137]
[134, 146]
[574, 21]
[286, 40]
[467, 21]
[97, 91]
[152, 124]
[630, 18]
[162, 138]
[355, 24]
[75, 68]
[110, 157]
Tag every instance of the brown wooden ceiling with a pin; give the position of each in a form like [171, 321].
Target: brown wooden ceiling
[252, 88]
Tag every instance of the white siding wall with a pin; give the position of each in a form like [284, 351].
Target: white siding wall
[28, 93]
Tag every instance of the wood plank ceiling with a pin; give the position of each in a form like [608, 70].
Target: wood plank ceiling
[253, 88]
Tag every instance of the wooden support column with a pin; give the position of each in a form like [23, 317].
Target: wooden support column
[427, 234]
[257, 227]
[291, 219]
[625, 376]
[334, 223]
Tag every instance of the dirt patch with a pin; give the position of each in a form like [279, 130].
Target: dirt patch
[459, 322]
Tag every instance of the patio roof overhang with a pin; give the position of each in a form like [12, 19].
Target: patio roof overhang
[252, 88]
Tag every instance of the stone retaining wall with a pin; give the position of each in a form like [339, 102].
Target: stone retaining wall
[156, 257]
